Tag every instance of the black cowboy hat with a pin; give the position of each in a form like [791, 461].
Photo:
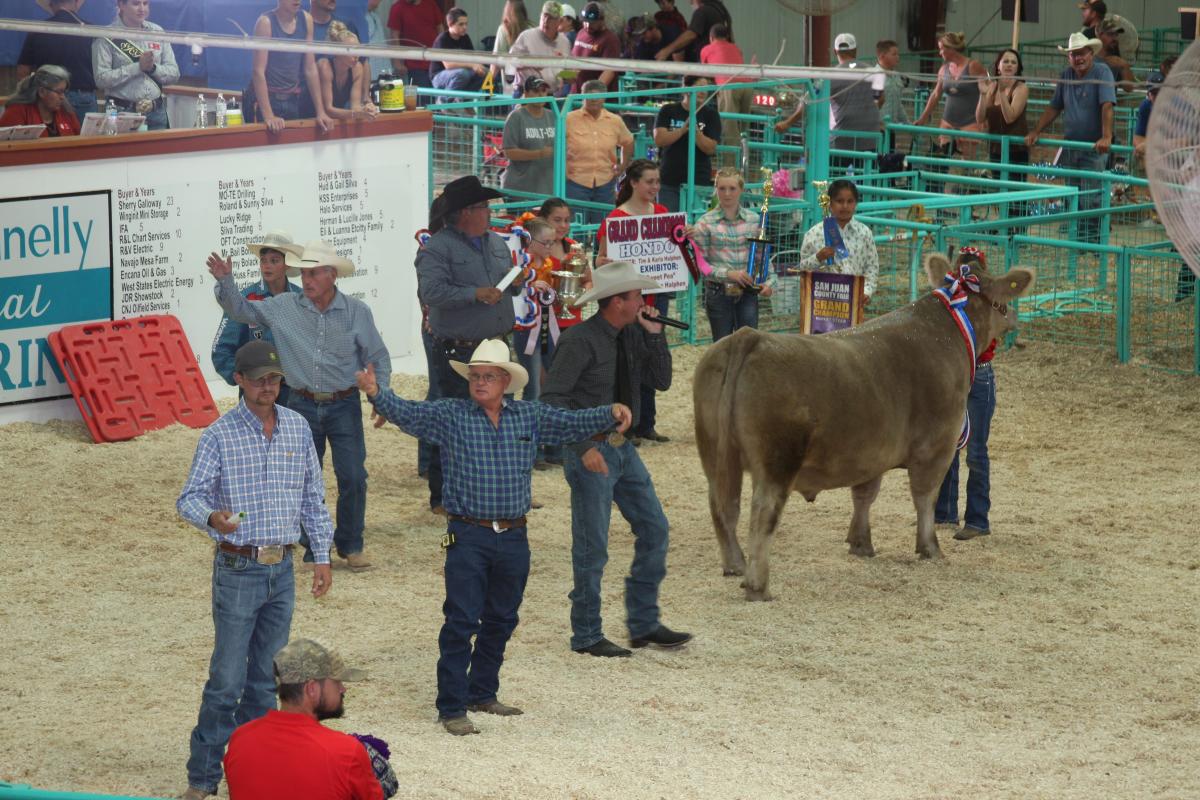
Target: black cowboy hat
[458, 194]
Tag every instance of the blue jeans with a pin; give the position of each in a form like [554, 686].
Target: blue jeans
[981, 404]
[458, 80]
[84, 102]
[252, 614]
[450, 384]
[432, 393]
[627, 484]
[648, 414]
[340, 424]
[156, 120]
[534, 363]
[486, 574]
[727, 313]
[1089, 189]
[598, 194]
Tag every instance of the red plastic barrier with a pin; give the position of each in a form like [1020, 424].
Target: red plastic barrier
[133, 375]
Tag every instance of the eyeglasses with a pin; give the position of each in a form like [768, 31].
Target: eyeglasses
[274, 379]
[548, 243]
[481, 377]
[59, 92]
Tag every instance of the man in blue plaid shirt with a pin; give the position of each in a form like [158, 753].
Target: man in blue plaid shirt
[488, 447]
[254, 480]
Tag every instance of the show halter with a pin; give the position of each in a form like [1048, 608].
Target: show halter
[954, 297]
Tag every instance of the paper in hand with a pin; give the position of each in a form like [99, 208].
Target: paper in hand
[507, 280]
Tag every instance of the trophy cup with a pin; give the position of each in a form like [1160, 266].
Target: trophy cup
[570, 279]
[758, 261]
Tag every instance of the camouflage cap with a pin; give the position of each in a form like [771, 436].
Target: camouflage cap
[306, 660]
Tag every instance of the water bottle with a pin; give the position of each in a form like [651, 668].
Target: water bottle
[201, 112]
[221, 109]
[110, 119]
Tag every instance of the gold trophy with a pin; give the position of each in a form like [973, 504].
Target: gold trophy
[823, 196]
[758, 260]
[570, 279]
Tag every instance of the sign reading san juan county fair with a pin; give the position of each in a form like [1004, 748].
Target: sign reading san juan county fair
[830, 301]
[55, 270]
[646, 241]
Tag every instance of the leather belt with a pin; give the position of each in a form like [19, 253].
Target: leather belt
[131, 105]
[497, 525]
[464, 344]
[325, 397]
[268, 554]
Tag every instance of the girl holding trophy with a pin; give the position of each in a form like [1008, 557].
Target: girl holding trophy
[839, 243]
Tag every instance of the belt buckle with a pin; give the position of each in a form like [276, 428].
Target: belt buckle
[616, 439]
[144, 106]
[272, 554]
[496, 527]
[322, 397]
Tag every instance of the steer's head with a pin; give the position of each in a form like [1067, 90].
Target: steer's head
[988, 308]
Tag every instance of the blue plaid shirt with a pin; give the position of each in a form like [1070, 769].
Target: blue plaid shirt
[277, 482]
[486, 468]
[319, 350]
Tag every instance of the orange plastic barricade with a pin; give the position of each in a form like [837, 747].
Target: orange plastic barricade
[135, 375]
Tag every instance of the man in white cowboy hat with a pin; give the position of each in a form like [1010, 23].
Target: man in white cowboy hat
[490, 445]
[607, 358]
[1086, 94]
[273, 280]
[324, 336]
[458, 271]
[252, 504]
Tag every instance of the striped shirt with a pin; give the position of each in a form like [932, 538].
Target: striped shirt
[863, 260]
[486, 468]
[319, 350]
[277, 482]
[723, 241]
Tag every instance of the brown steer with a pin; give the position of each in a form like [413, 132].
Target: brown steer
[809, 413]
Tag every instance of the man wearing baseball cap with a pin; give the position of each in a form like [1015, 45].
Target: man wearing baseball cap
[288, 753]
[547, 39]
[255, 479]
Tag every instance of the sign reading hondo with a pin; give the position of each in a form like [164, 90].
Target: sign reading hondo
[646, 241]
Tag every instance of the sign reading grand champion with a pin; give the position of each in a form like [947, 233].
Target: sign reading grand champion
[55, 270]
[647, 242]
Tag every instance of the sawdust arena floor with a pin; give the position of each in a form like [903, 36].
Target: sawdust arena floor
[1054, 658]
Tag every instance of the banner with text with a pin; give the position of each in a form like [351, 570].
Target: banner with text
[830, 301]
[647, 242]
[55, 270]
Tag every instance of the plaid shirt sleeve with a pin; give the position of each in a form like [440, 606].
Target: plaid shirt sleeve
[422, 419]
[313, 513]
[197, 501]
[562, 426]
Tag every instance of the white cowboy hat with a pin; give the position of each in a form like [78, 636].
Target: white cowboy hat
[1078, 41]
[494, 353]
[273, 240]
[615, 277]
[317, 254]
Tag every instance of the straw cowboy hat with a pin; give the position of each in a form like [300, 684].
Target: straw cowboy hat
[273, 240]
[616, 277]
[317, 254]
[458, 194]
[1079, 41]
[494, 353]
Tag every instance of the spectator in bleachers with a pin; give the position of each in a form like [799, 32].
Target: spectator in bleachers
[671, 23]
[1095, 11]
[594, 135]
[419, 23]
[671, 138]
[132, 72]
[1154, 84]
[514, 20]
[1001, 110]
[345, 83]
[958, 79]
[376, 36]
[72, 53]
[596, 41]
[459, 76]
[40, 99]
[529, 144]
[1086, 94]
[722, 236]
[730, 100]
[279, 80]
[1092, 12]
[1108, 32]
[705, 14]
[546, 39]
[322, 12]
[892, 107]
[642, 38]
[569, 25]
[817, 255]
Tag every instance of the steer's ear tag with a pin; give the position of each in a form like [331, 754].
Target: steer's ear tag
[1012, 285]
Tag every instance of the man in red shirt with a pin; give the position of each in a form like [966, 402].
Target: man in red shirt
[289, 753]
[415, 22]
[595, 41]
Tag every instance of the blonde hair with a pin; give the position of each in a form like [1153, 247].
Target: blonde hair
[731, 172]
[538, 227]
[955, 40]
[338, 32]
[515, 19]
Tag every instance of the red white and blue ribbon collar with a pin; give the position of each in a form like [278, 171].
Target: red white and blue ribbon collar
[954, 297]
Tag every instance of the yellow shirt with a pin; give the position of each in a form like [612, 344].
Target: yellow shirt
[592, 144]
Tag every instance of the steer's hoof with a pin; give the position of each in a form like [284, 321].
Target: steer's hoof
[729, 573]
[931, 554]
[757, 595]
[866, 551]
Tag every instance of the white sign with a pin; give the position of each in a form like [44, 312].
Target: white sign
[646, 241]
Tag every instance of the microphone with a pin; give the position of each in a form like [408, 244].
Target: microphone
[670, 323]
